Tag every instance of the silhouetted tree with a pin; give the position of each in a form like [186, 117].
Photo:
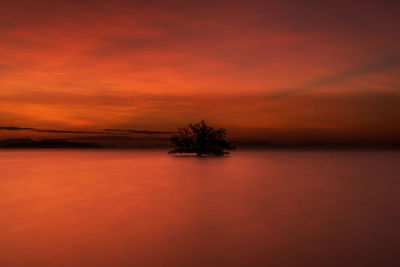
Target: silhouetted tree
[200, 139]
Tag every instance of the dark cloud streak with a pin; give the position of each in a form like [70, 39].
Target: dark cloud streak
[139, 131]
[13, 128]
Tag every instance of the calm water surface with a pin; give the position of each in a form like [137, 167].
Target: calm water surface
[147, 208]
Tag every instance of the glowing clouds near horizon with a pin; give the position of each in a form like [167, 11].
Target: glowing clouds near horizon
[253, 67]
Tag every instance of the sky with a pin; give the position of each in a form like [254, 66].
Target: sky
[284, 71]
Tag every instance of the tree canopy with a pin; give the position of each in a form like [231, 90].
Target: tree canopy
[200, 139]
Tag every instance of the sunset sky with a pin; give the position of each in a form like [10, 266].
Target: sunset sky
[283, 71]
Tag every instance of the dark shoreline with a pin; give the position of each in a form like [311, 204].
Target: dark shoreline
[26, 143]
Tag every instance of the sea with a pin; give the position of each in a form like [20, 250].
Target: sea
[148, 208]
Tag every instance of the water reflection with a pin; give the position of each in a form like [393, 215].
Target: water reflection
[146, 208]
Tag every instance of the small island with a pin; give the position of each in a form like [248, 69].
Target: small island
[200, 139]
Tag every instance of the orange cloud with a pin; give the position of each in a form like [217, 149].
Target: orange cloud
[158, 65]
